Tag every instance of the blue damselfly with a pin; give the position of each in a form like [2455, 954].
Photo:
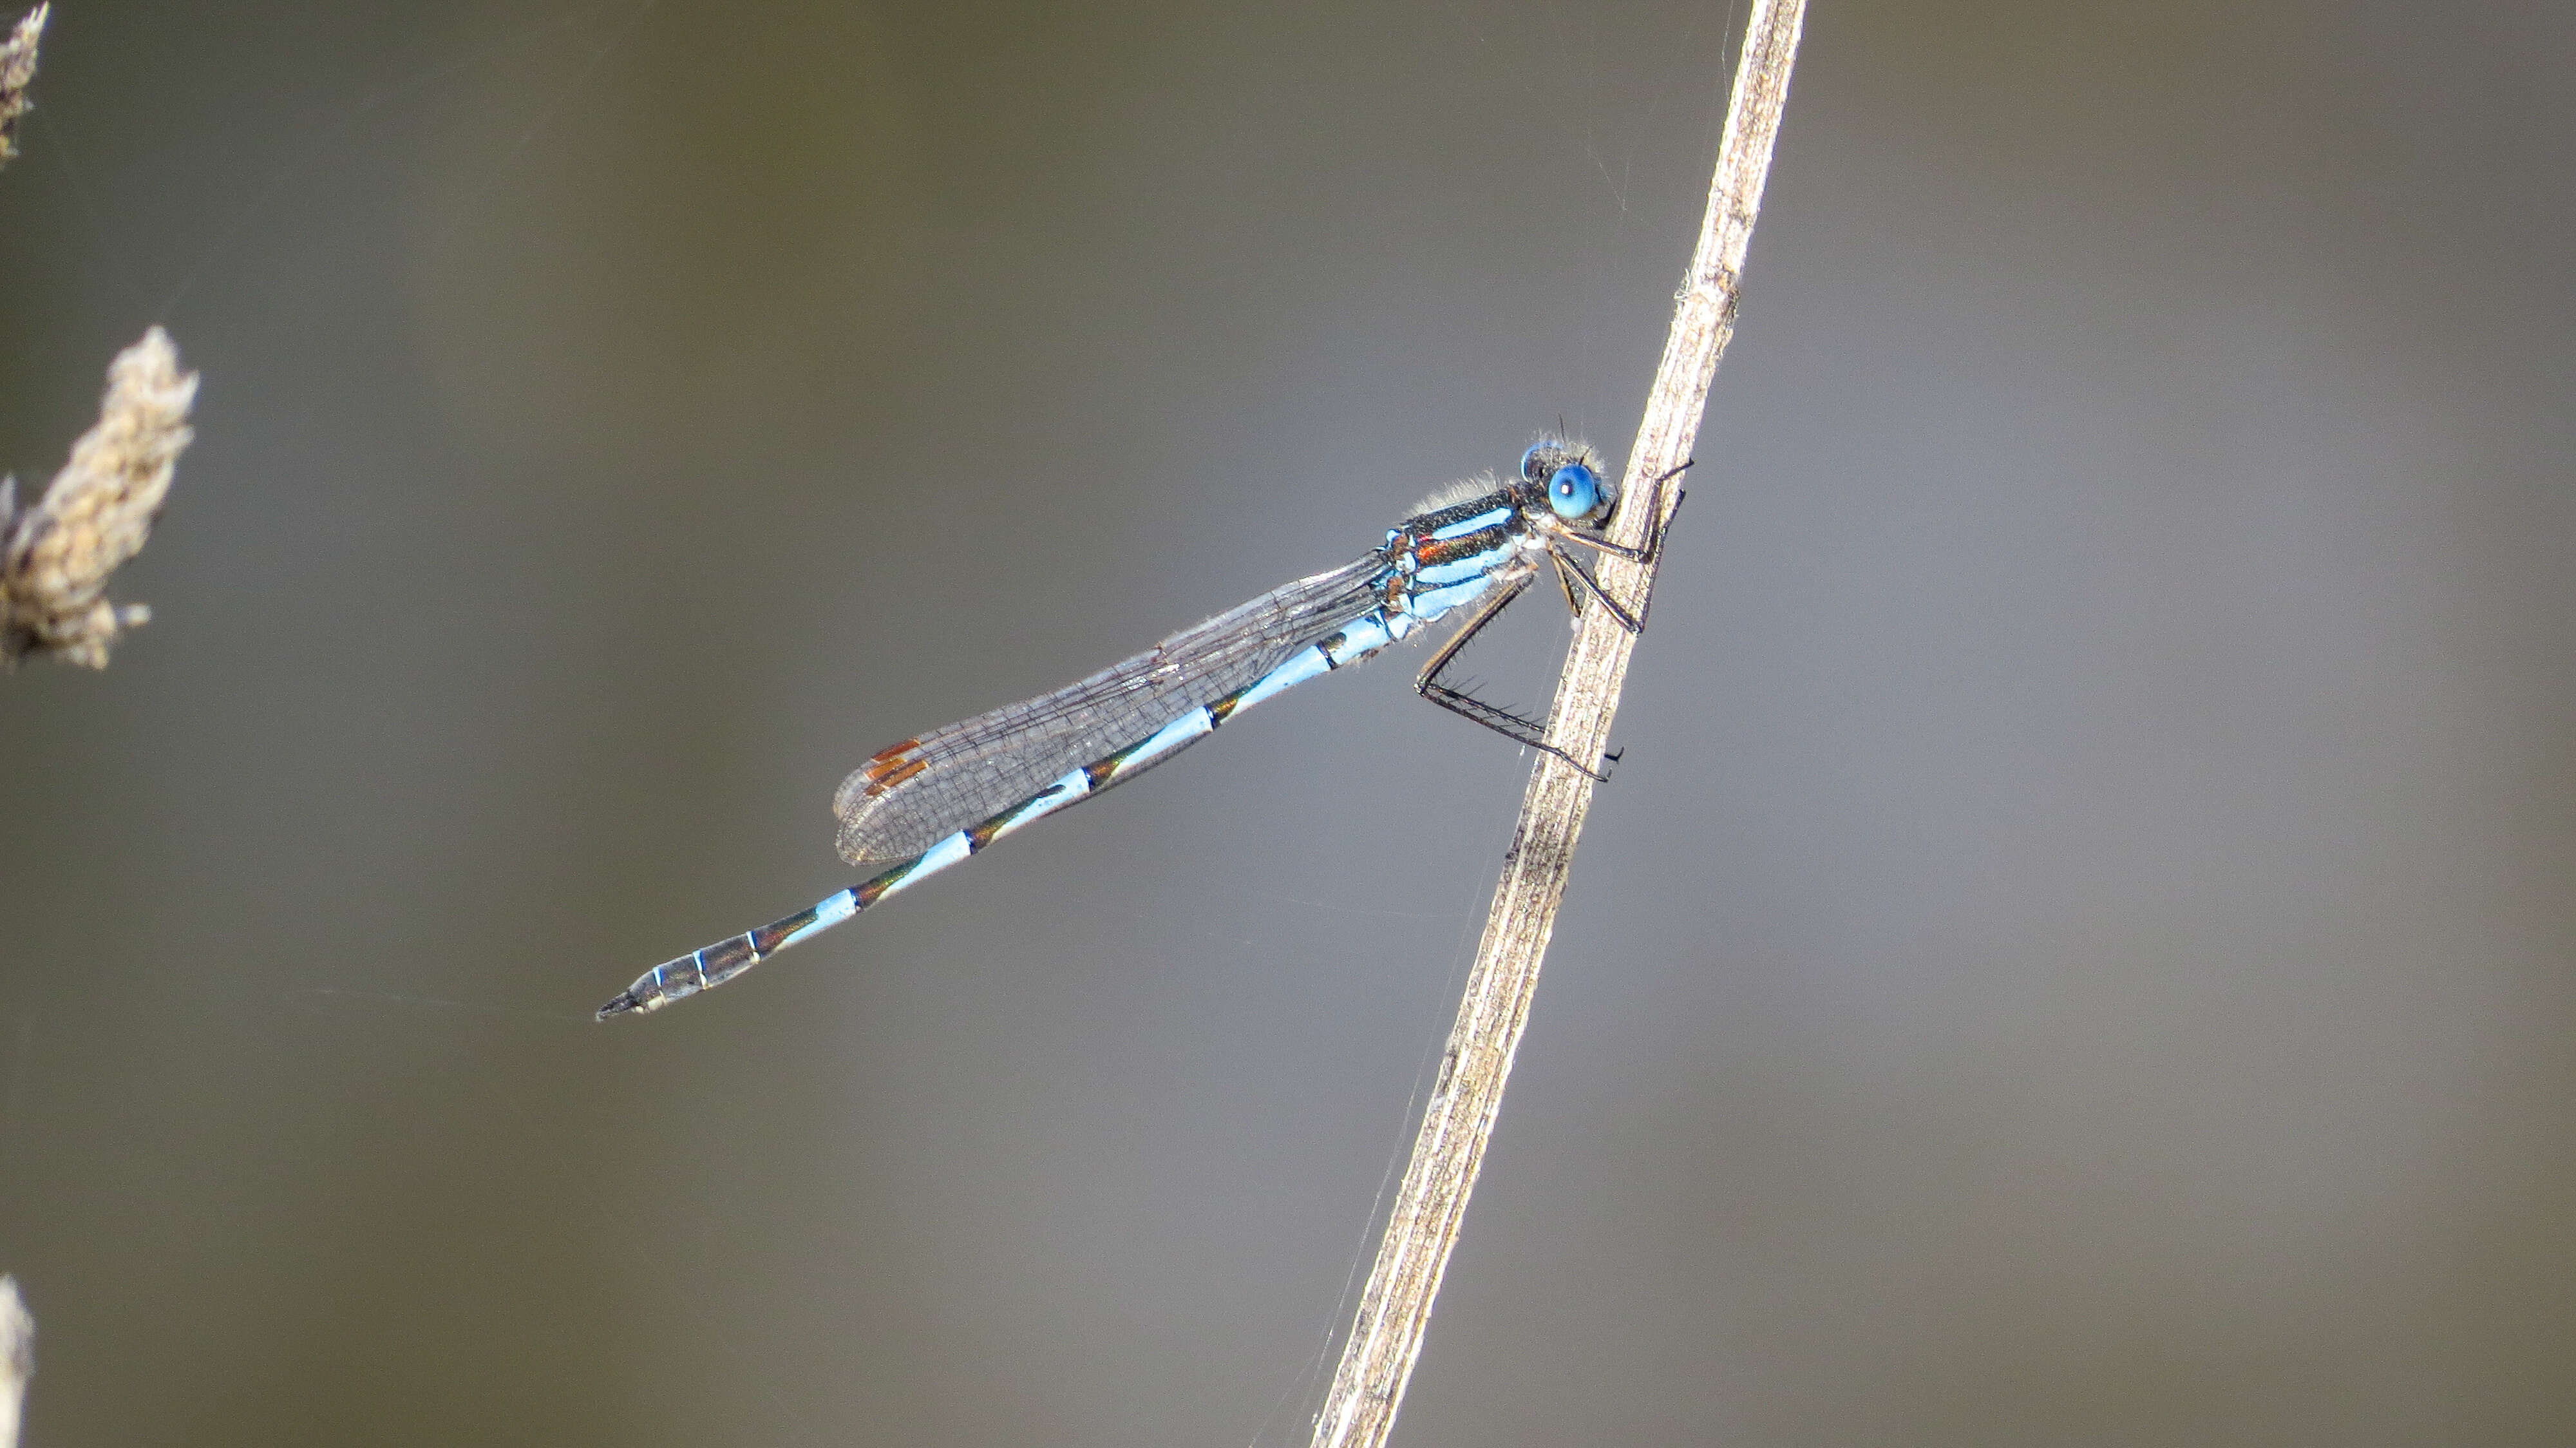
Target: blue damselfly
[927, 803]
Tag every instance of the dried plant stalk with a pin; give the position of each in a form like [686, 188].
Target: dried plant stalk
[56, 556]
[17, 72]
[1422, 1226]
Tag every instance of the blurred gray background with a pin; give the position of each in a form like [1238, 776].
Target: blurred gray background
[2082, 949]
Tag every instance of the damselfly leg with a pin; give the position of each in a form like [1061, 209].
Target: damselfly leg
[1519, 728]
[1515, 727]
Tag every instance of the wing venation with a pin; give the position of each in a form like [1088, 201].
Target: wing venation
[908, 797]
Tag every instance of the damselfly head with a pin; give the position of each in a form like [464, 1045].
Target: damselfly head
[1569, 479]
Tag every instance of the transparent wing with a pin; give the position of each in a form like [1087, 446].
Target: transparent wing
[907, 798]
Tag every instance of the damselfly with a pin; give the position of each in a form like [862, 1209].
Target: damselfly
[924, 804]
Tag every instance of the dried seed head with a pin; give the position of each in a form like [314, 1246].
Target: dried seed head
[56, 556]
[17, 72]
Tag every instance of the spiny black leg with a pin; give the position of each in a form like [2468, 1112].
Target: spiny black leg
[1565, 585]
[1565, 564]
[1598, 544]
[1655, 544]
[1428, 685]
[1660, 522]
[1502, 721]
[1666, 519]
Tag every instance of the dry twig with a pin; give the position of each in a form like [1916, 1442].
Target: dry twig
[56, 556]
[17, 72]
[1423, 1225]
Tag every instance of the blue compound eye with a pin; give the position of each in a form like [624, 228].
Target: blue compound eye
[1529, 462]
[1574, 492]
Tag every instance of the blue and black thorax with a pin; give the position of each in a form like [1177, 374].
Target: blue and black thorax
[1454, 552]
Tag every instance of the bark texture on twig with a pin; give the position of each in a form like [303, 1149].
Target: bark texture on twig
[17, 72]
[1423, 1224]
[56, 556]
